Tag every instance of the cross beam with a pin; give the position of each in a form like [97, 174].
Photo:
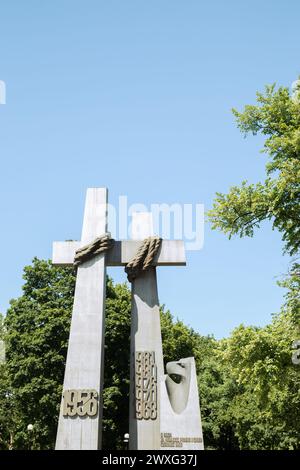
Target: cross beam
[172, 253]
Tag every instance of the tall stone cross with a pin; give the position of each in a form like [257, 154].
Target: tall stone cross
[80, 426]
[146, 364]
[80, 419]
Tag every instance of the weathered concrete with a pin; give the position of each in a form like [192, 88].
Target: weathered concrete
[180, 410]
[84, 366]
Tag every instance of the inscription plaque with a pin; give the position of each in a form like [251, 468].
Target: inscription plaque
[167, 440]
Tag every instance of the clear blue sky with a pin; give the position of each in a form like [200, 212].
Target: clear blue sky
[99, 91]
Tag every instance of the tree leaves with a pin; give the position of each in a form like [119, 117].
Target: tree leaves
[276, 116]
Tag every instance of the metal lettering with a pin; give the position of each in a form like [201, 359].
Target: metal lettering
[145, 385]
[167, 440]
[80, 403]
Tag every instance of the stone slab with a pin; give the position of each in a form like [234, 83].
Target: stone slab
[181, 427]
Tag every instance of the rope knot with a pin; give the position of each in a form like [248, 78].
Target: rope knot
[144, 258]
[96, 247]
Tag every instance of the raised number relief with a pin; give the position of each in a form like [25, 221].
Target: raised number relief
[80, 403]
[145, 385]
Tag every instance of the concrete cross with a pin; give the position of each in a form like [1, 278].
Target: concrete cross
[83, 381]
[146, 364]
[80, 420]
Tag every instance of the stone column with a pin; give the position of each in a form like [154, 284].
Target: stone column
[146, 364]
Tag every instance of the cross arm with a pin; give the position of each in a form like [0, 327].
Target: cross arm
[63, 253]
[171, 253]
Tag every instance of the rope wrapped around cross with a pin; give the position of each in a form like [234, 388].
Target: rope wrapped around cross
[141, 262]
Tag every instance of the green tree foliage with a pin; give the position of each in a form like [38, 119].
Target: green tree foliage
[7, 415]
[266, 409]
[117, 353]
[250, 389]
[179, 341]
[292, 297]
[277, 117]
[37, 326]
[263, 408]
[217, 389]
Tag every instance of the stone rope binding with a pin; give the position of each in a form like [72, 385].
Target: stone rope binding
[142, 261]
[96, 247]
[144, 258]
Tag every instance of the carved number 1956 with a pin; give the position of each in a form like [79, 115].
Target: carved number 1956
[80, 403]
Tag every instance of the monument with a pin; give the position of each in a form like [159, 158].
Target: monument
[157, 409]
[180, 411]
